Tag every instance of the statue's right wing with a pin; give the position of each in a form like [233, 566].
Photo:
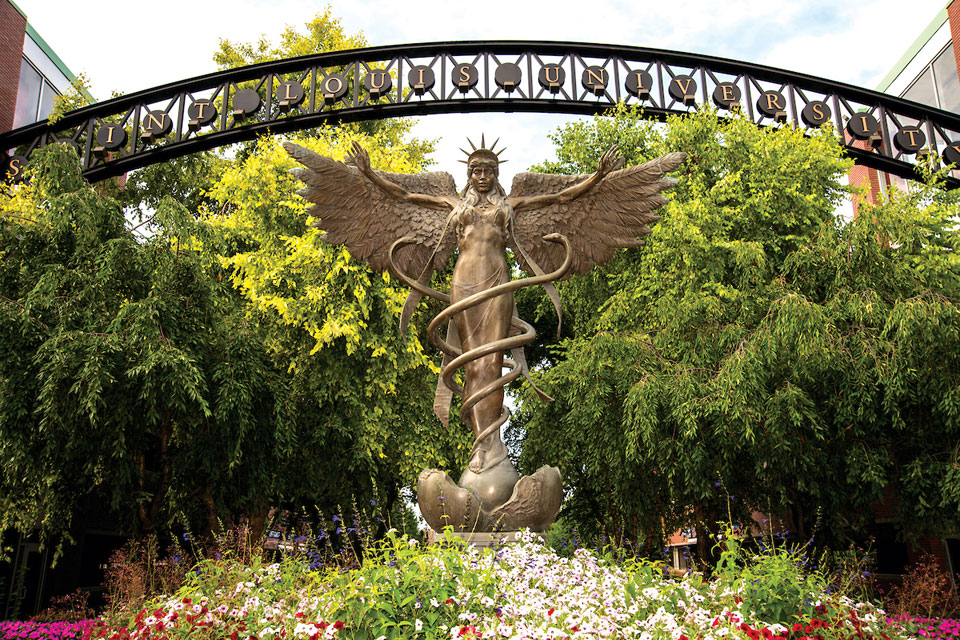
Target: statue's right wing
[357, 214]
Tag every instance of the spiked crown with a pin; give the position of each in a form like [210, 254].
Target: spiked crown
[482, 152]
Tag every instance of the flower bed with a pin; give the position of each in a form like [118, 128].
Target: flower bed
[519, 591]
[931, 628]
[48, 630]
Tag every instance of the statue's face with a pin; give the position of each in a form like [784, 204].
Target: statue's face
[482, 175]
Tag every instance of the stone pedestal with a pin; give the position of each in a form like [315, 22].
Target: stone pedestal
[489, 540]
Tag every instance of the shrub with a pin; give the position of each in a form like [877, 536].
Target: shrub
[925, 592]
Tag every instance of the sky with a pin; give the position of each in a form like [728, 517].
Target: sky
[128, 46]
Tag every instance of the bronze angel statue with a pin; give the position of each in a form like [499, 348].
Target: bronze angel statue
[555, 225]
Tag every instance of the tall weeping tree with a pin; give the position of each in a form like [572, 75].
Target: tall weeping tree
[229, 361]
[129, 373]
[758, 353]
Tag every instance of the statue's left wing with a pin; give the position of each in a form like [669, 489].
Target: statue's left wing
[357, 214]
[612, 215]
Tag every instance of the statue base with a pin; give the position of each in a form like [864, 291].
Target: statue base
[492, 540]
[492, 501]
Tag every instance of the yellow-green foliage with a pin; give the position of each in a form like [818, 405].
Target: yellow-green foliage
[324, 33]
[304, 287]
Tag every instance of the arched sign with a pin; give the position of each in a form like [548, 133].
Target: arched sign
[136, 130]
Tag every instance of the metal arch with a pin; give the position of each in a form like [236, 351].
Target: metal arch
[131, 113]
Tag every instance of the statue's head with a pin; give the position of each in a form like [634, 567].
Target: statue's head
[483, 166]
[482, 170]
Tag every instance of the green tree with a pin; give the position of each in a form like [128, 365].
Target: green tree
[757, 354]
[230, 361]
[223, 361]
[129, 373]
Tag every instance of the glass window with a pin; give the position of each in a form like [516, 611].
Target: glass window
[922, 90]
[28, 95]
[46, 100]
[948, 83]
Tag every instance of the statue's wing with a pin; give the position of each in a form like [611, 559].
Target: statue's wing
[358, 215]
[611, 216]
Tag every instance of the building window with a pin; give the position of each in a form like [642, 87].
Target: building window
[938, 85]
[948, 82]
[35, 96]
[922, 89]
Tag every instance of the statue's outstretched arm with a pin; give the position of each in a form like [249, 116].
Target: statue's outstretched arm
[610, 161]
[362, 161]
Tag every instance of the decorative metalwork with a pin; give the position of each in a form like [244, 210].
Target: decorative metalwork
[116, 136]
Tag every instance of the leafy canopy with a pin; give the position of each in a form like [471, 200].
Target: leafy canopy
[758, 353]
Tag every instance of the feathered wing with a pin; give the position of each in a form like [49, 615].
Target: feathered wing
[358, 215]
[611, 216]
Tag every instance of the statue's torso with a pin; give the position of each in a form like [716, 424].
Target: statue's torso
[481, 239]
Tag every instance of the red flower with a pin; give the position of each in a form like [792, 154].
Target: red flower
[683, 637]
[298, 614]
[186, 601]
[574, 628]
[338, 625]
[767, 634]
[465, 630]
[550, 611]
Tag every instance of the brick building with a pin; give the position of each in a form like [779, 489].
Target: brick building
[926, 73]
[31, 74]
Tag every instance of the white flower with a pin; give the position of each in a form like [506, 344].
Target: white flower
[413, 542]
[418, 625]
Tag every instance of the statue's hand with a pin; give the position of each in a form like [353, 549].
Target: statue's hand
[360, 158]
[610, 161]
